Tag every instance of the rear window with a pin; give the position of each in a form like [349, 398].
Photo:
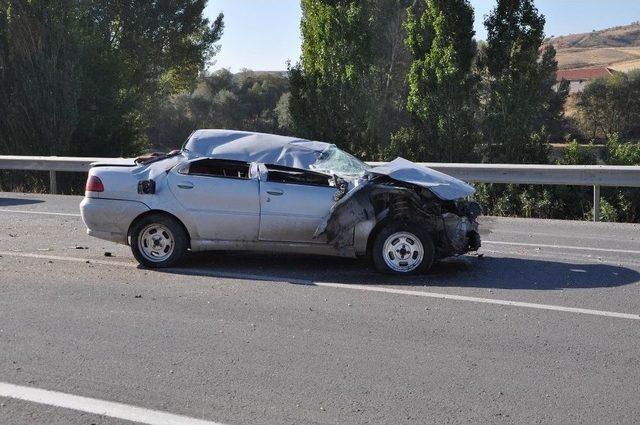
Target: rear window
[220, 168]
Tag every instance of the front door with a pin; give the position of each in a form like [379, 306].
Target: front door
[293, 203]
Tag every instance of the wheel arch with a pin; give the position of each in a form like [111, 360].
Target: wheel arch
[374, 232]
[381, 224]
[160, 212]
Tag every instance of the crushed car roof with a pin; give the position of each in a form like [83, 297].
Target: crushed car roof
[300, 153]
[256, 147]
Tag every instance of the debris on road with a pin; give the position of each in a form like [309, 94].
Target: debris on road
[81, 247]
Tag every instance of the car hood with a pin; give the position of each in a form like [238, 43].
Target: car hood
[442, 185]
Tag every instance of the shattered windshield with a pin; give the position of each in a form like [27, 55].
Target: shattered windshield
[335, 161]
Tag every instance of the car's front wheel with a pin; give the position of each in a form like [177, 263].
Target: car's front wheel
[402, 247]
[158, 241]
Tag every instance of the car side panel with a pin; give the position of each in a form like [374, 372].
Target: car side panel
[110, 218]
[292, 212]
[219, 208]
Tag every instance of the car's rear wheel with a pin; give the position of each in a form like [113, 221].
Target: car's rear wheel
[402, 247]
[158, 241]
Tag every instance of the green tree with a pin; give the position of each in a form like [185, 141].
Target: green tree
[39, 76]
[521, 96]
[442, 89]
[349, 87]
[253, 101]
[135, 55]
[611, 105]
[84, 77]
[328, 86]
[164, 44]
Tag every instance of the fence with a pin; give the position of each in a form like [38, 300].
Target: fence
[595, 176]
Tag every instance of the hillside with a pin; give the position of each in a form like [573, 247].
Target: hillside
[624, 36]
[618, 47]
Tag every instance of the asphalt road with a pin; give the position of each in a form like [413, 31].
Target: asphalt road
[541, 328]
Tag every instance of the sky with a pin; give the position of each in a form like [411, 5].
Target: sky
[263, 34]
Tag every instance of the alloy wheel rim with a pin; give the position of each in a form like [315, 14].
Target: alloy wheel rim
[403, 252]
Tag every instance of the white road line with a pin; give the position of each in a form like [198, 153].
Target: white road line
[369, 288]
[585, 258]
[482, 300]
[437, 295]
[236, 275]
[581, 248]
[556, 235]
[61, 258]
[97, 406]
[39, 212]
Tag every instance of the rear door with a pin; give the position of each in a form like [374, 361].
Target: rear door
[221, 196]
[293, 203]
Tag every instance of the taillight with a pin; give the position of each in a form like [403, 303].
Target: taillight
[94, 184]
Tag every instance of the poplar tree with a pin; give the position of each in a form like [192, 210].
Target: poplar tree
[441, 85]
[328, 85]
[349, 85]
[521, 75]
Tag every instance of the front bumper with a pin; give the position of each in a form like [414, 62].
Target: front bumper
[110, 219]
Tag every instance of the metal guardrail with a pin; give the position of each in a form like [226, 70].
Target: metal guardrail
[52, 164]
[564, 175]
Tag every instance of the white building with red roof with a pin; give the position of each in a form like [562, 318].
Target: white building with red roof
[578, 78]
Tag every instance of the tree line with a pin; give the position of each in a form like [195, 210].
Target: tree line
[381, 78]
[387, 78]
[84, 77]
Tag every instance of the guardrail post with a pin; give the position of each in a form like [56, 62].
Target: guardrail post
[596, 203]
[53, 184]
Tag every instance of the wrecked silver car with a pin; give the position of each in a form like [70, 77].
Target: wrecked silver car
[234, 190]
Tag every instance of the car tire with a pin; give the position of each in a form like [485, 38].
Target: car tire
[402, 248]
[159, 241]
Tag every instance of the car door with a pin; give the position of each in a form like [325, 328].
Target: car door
[293, 203]
[221, 196]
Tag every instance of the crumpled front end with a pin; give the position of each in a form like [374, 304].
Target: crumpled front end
[403, 191]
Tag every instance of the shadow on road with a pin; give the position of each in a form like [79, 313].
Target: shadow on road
[6, 202]
[465, 271]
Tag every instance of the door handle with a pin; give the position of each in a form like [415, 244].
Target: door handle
[275, 192]
[185, 185]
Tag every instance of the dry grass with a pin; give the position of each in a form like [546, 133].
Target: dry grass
[619, 46]
[626, 66]
[604, 56]
[623, 36]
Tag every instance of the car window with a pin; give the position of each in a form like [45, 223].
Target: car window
[280, 174]
[220, 168]
[336, 161]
